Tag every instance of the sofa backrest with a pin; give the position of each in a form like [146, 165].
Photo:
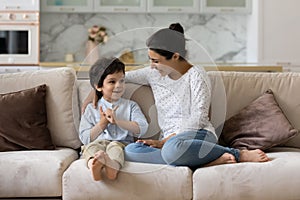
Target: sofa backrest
[233, 91]
[62, 117]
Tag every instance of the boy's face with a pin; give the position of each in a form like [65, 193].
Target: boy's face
[113, 86]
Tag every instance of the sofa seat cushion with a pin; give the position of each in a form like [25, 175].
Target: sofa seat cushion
[36, 173]
[278, 179]
[135, 181]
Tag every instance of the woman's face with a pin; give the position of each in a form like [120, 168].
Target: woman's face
[160, 63]
[113, 87]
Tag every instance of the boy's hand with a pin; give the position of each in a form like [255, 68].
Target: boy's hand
[110, 115]
[103, 118]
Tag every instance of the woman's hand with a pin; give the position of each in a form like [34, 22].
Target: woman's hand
[91, 98]
[152, 143]
[156, 143]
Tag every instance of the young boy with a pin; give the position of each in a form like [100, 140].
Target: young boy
[107, 129]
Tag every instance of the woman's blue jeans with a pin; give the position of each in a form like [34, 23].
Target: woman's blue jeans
[190, 148]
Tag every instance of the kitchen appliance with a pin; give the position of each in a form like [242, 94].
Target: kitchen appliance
[19, 35]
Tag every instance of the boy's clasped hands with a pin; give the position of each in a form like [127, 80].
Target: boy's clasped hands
[109, 114]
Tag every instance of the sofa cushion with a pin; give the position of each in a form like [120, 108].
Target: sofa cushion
[23, 120]
[135, 181]
[276, 180]
[260, 125]
[35, 173]
[62, 116]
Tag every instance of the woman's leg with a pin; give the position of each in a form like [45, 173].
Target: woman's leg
[139, 152]
[194, 149]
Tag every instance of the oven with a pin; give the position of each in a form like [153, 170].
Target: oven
[19, 38]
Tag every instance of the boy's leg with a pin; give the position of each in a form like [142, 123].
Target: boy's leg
[114, 159]
[93, 153]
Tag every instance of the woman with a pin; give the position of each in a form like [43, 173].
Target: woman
[182, 96]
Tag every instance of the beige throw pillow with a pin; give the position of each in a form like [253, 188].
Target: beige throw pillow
[260, 125]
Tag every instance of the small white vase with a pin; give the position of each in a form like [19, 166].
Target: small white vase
[92, 52]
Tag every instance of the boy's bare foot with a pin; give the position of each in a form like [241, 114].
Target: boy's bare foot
[226, 158]
[97, 164]
[256, 155]
[112, 167]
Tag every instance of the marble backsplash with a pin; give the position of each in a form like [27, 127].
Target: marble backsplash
[219, 38]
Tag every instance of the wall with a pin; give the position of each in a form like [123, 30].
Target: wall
[223, 37]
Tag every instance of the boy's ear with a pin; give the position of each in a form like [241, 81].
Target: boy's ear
[99, 89]
[176, 56]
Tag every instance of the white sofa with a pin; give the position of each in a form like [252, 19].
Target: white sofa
[60, 174]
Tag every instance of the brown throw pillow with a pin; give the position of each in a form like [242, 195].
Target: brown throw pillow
[23, 120]
[260, 125]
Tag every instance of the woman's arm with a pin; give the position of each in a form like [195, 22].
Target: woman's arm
[135, 76]
[91, 98]
[139, 76]
[200, 102]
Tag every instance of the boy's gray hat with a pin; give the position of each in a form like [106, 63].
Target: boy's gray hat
[168, 40]
[97, 69]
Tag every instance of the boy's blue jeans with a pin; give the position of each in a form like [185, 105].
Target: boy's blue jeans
[190, 148]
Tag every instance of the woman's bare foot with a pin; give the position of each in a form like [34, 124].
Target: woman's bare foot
[112, 167]
[256, 155]
[226, 158]
[97, 164]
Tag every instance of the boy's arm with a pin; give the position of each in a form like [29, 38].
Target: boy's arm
[131, 126]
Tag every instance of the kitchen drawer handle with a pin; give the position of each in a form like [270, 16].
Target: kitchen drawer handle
[12, 7]
[66, 9]
[174, 9]
[121, 9]
[227, 10]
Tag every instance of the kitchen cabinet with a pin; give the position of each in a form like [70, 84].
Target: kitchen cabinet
[226, 6]
[121, 6]
[132, 6]
[150, 6]
[274, 33]
[16, 5]
[67, 6]
[96, 6]
[173, 6]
